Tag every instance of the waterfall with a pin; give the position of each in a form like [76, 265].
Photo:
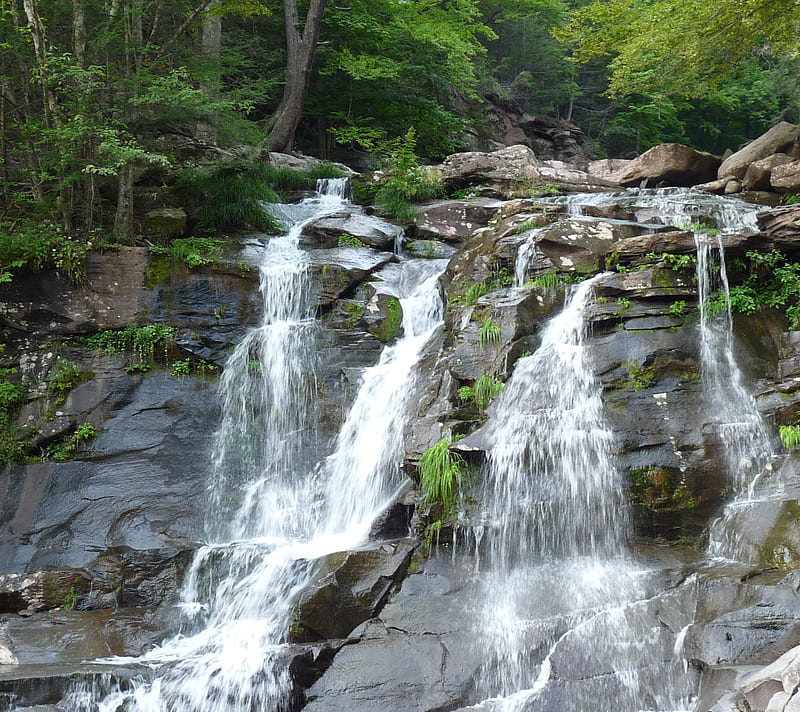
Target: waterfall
[745, 441]
[274, 511]
[560, 584]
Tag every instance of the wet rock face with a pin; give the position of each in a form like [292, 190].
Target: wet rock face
[351, 587]
[137, 491]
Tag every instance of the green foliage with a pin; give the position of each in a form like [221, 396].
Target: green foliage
[525, 226]
[791, 199]
[70, 600]
[489, 333]
[675, 262]
[35, 246]
[663, 46]
[231, 196]
[12, 396]
[442, 473]
[639, 376]
[773, 283]
[790, 436]
[63, 378]
[677, 308]
[347, 240]
[485, 389]
[67, 448]
[548, 280]
[181, 368]
[193, 251]
[141, 340]
[407, 183]
[624, 305]
[476, 290]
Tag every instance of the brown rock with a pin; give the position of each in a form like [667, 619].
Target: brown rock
[669, 164]
[757, 176]
[786, 177]
[781, 138]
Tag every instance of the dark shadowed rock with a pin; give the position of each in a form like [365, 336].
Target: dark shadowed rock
[418, 652]
[669, 164]
[351, 587]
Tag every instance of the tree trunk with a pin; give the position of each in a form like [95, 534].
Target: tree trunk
[79, 31]
[36, 28]
[211, 48]
[300, 54]
[123, 220]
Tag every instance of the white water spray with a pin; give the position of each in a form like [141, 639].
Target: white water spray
[276, 513]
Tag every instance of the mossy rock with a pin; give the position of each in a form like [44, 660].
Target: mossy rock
[383, 317]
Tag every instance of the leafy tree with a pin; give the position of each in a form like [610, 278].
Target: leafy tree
[679, 47]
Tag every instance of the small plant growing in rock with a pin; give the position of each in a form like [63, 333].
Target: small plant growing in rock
[181, 368]
[677, 308]
[66, 449]
[63, 378]
[548, 280]
[441, 474]
[639, 375]
[790, 436]
[489, 333]
[791, 199]
[485, 389]
[348, 240]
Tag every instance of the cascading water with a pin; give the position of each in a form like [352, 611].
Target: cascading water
[560, 578]
[273, 511]
[740, 429]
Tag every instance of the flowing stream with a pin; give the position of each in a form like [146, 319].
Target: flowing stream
[274, 512]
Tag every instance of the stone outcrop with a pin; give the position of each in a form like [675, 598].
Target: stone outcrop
[781, 138]
[454, 220]
[514, 170]
[668, 164]
[759, 173]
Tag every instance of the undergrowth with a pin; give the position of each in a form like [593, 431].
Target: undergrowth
[773, 282]
[231, 196]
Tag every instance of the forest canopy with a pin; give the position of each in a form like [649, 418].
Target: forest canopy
[96, 94]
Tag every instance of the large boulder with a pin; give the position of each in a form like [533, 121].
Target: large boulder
[327, 232]
[781, 138]
[514, 170]
[669, 164]
[607, 168]
[508, 166]
[786, 177]
[759, 173]
[455, 220]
